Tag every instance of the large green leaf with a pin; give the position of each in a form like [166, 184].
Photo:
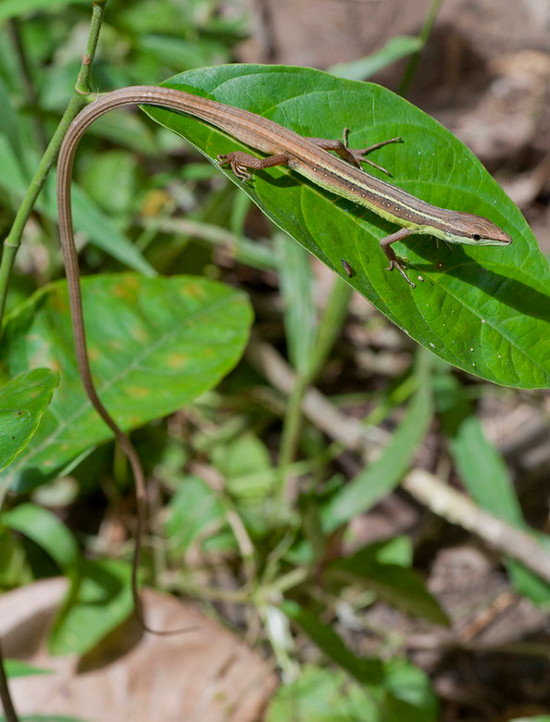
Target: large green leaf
[14, 8]
[23, 402]
[485, 310]
[154, 343]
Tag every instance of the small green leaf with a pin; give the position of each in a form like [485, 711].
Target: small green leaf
[323, 695]
[484, 473]
[87, 216]
[23, 402]
[485, 310]
[13, 174]
[367, 671]
[103, 232]
[110, 180]
[17, 668]
[400, 46]
[397, 690]
[100, 600]
[155, 344]
[401, 587]
[410, 696]
[383, 475]
[247, 468]
[527, 583]
[478, 462]
[296, 282]
[192, 511]
[46, 530]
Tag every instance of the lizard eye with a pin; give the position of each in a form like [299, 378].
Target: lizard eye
[476, 237]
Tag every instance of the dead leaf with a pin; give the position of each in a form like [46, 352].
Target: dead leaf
[204, 675]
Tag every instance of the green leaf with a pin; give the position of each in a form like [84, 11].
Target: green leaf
[527, 583]
[383, 475]
[328, 695]
[398, 691]
[410, 697]
[100, 600]
[17, 668]
[250, 480]
[484, 473]
[14, 8]
[401, 587]
[179, 52]
[365, 670]
[23, 402]
[323, 695]
[246, 465]
[110, 180]
[103, 233]
[155, 345]
[296, 284]
[485, 310]
[400, 46]
[478, 462]
[397, 550]
[127, 131]
[13, 178]
[87, 216]
[46, 530]
[193, 511]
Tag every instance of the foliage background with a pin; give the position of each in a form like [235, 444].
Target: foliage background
[271, 504]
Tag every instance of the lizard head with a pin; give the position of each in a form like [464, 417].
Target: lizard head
[474, 230]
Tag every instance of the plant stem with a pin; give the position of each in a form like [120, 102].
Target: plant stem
[82, 85]
[82, 90]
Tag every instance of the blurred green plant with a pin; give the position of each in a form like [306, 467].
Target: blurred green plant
[245, 470]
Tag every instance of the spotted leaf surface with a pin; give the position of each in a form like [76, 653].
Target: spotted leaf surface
[155, 344]
[23, 402]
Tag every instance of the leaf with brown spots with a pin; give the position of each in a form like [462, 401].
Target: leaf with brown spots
[155, 344]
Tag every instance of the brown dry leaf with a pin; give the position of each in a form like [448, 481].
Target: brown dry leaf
[206, 674]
